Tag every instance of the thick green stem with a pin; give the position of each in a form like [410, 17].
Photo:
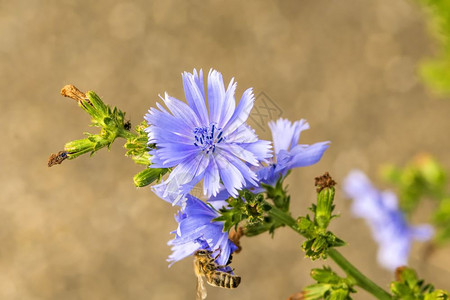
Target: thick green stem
[360, 279]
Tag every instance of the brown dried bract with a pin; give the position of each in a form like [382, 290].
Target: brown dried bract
[324, 181]
[235, 237]
[56, 159]
[297, 296]
[72, 92]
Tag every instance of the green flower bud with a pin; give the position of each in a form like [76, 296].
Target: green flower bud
[90, 144]
[316, 291]
[306, 226]
[324, 275]
[437, 295]
[148, 176]
[324, 207]
[319, 244]
[325, 196]
[339, 294]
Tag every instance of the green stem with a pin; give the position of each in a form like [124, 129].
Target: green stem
[126, 134]
[361, 280]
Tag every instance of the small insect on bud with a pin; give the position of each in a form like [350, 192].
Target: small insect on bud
[56, 159]
[127, 125]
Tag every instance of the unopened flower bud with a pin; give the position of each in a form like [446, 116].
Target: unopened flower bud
[147, 176]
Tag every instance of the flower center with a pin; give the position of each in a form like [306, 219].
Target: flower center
[206, 138]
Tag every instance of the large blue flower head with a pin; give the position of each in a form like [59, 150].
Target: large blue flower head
[196, 230]
[388, 224]
[215, 145]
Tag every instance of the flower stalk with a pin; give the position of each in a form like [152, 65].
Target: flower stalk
[360, 279]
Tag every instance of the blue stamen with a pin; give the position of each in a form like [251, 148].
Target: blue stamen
[206, 138]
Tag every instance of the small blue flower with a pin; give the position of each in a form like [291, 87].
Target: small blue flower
[289, 154]
[388, 224]
[197, 231]
[216, 146]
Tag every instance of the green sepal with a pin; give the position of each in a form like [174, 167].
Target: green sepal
[317, 246]
[316, 291]
[278, 194]
[248, 206]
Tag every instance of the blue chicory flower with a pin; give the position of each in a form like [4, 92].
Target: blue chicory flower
[388, 224]
[197, 231]
[289, 153]
[216, 146]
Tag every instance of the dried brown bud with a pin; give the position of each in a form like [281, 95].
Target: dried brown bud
[235, 237]
[56, 159]
[71, 91]
[324, 181]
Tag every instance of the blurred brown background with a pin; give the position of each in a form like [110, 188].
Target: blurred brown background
[83, 231]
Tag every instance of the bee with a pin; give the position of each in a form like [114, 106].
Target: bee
[205, 265]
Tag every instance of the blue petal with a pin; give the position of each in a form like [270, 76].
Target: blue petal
[197, 231]
[230, 175]
[306, 155]
[243, 168]
[285, 134]
[229, 104]
[261, 149]
[216, 95]
[243, 134]
[422, 232]
[241, 113]
[195, 94]
[211, 183]
[240, 152]
[182, 111]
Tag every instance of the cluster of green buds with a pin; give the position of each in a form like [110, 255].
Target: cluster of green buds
[329, 286]
[408, 287]
[319, 240]
[112, 124]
